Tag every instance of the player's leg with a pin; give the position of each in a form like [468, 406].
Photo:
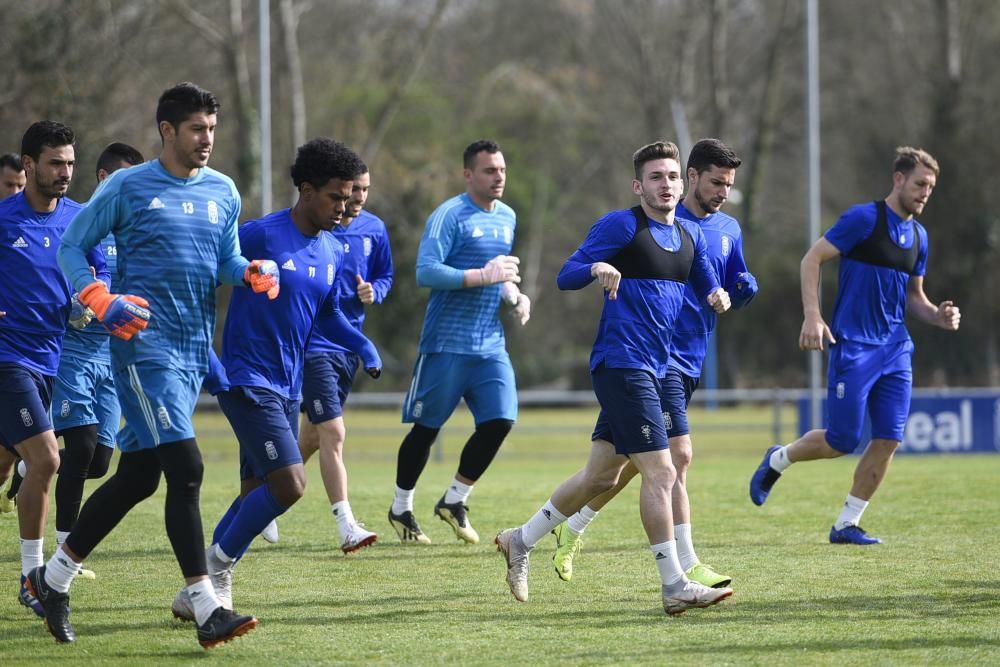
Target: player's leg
[491, 394]
[888, 405]
[851, 376]
[434, 393]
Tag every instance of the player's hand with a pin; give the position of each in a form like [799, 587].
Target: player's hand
[79, 314]
[501, 269]
[124, 315]
[607, 277]
[814, 333]
[366, 293]
[263, 276]
[719, 301]
[522, 309]
[375, 373]
[948, 316]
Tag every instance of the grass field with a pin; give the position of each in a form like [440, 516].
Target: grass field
[929, 595]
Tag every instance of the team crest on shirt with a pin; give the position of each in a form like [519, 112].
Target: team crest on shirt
[329, 274]
[506, 234]
[213, 212]
[726, 245]
[368, 246]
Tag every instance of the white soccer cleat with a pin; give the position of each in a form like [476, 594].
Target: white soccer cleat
[221, 575]
[357, 538]
[509, 543]
[182, 607]
[693, 595]
[270, 532]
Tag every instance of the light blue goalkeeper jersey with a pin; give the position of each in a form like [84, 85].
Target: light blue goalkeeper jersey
[175, 237]
[459, 235]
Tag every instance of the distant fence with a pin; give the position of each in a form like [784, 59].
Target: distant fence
[957, 419]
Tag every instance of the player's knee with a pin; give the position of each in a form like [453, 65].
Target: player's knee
[332, 434]
[138, 476]
[420, 437]
[842, 443]
[182, 465]
[287, 485]
[100, 462]
[681, 454]
[491, 434]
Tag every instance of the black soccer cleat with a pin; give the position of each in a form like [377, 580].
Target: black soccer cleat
[55, 605]
[222, 626]
[456, 515]
[407, 528]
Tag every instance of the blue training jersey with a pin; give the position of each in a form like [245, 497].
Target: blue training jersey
[264, 341]
[175, 237]
[697, 320]
[366, 253]
[459, 235]
[871, 300]
[93, 341]
[636, 328]
[36, 294]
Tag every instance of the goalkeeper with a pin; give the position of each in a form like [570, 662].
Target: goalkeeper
[464, 259]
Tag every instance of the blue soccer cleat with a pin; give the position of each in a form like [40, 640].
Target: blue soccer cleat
[28, 600]
[852, 535]
[764, 478]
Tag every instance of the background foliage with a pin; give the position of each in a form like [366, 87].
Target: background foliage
[569, 88]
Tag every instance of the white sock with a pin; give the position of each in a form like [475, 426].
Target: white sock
[851, 514]
[222, 555]
[667, 563]
[457, 492]
[31, 555]
[685, 546]
[22, 468]
[402, 501]
[779, 459]
[579, 521]
[344, 516]
[61, 536]
[203, 599]
[60, 570]
[541, 524]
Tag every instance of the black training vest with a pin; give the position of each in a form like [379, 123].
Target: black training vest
[643, 257]
[879, 248]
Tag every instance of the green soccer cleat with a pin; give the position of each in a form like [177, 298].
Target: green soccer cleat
[568, 545]
[706, 576]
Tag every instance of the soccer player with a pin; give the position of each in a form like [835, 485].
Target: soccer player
[264, 363]
[174, 221]
[365, 278]
[463, 257]
[12, 176]
[883, 259]
[36, 303]
[86, 413]
[711, 171]
[643, 258]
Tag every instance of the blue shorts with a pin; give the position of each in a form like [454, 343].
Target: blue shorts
[878, 378]
[267, 427]
[327, 381]
[441, 379]
[676, 389]
[84, 394]
[157, 403]
[631, 416]
[24, 404]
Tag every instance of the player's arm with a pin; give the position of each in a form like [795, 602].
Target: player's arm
[814, 329]
[124, 315]
[334, 326]
[945, 314]
[380, 270]
[589, 262]
[261, 275]
[739, 282]
[435, 246]
[703, 277]
[216, 381]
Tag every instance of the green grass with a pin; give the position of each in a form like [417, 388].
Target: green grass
[926, 596]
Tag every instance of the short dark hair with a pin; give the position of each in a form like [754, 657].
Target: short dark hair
[12, 161]
[658, 150]
[178, 103]
[45, 133]
[907, 159]
[114, 154]
[322, 159]
[477, 147]
[708, 153]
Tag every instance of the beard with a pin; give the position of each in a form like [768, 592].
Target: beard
[653, 202]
